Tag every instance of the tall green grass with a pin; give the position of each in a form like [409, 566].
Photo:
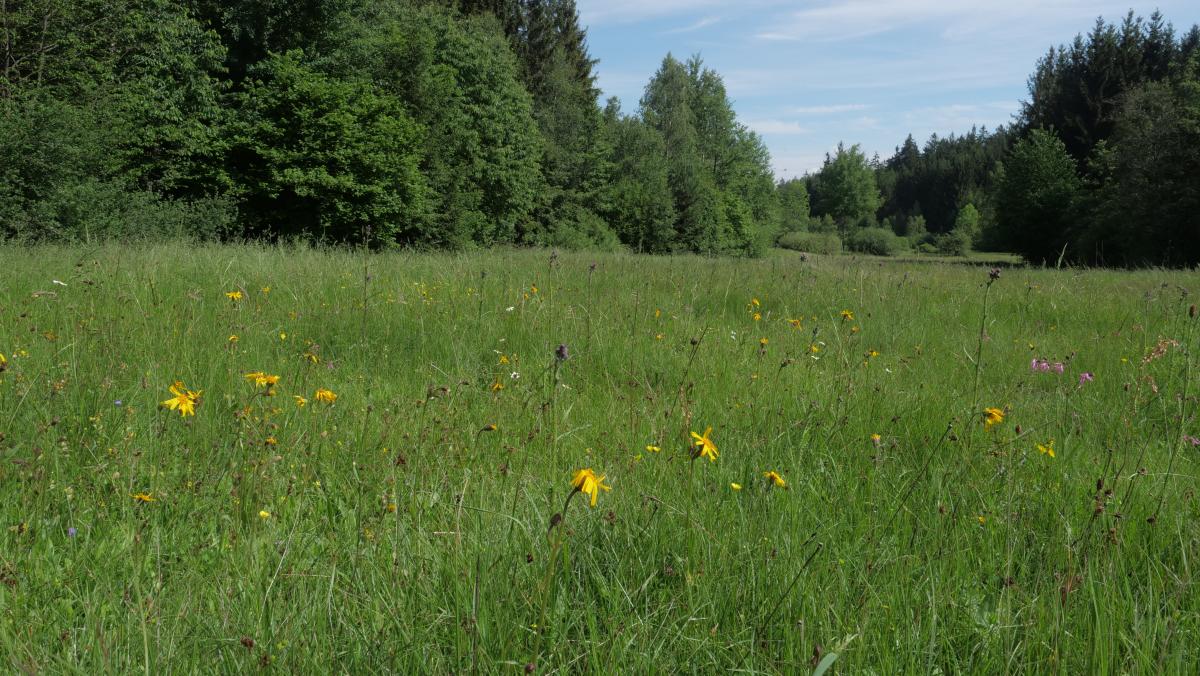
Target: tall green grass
[402, 533]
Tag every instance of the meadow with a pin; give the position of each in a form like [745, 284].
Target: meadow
[370, 463]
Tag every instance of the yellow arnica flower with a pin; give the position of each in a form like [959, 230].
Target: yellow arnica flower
[847, 316]
[264, 514]
[261, 379]
[184, 400]
[233, 295]
[876, 438]
[992, 416]
[3, 363]
[774, 478]
[325, 396]
[1047, 449]
[981, 519]
[301, 402]
[653, 449]
[705, 445]
[757, 316]
[796, 323]
[735, 486]
[763, 341]
[754, 302]
[143, 497]
[233, 338]
[497, 386]
[588, 483]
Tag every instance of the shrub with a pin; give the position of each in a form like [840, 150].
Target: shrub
[811, 242]
[875, 241]
[957, 242]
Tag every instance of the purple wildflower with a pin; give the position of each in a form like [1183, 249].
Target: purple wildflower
[71, 532]
[1191, 440]
[1086, 377]
[1058, 367]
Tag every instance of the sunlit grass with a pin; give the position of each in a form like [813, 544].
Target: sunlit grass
[375, 474]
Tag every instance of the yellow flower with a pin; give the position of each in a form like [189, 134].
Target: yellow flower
[3, 362]
[533, 288]
[775, 479]
[796, 323]
[854, 330]
[981, 519]
[234, 296]
[735, 486]
[143, 497]
[266, 290]
[876, 438]
[659, 336]
[184, 400]
[503, 359]
[233, 338]
[325, 396]
[847, 316]
[992, 416]
[1047, 449]
[261, 379]
[707, 448]
[757, 316]
[763, 341]
[312, 357]
[497, 386]
[490, 427]
[271, 441]
[264, 514]
[301, 402]
[653, 449]
[814, 348]
[657, 313]
[282, 335]
[588, 483]
[754, 302]
[872, 354]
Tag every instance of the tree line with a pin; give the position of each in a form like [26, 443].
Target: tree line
[1101, 166]
[448, 124]
[475, 123]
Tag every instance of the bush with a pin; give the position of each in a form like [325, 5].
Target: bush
[875, 241]
[957, 242]
[811, 242]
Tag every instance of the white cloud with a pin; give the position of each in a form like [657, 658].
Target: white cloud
[779, 127]
[830, 109]
[702, 23]
[850, 19]
[627, 11]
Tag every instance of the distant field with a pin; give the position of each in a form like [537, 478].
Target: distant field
[405, 519]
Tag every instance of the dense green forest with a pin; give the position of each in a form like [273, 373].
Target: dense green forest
[411, 123]
[468, 123]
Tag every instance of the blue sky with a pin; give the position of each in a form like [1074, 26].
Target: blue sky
[807, 74]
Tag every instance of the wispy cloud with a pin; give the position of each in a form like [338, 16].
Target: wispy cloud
[609, 12]
[702, 23]
[831, 109]
[777, 127]
[852, 19]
